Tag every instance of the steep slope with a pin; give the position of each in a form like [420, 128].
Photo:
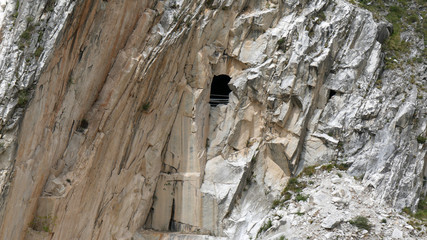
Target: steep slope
[120, 137]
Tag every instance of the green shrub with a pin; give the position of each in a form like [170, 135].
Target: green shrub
[292, 181]
[343, 166]
[401, 16]
[17, 5]
[276, 203]
[30, 28]
[361, 222]
[294, 186]
[287, 196]
[328, 167]
[145, 107]
[281, 44]
[43, 223]
[421, 139]
[26, 35]
[322, 16]
[420, 216]
[264, 227]
[396, 11]
[415, 224]
[40, 37]
[281, 41]
[413, 18]
[38, 51]
[301, 197]
[421, 212]
[379, 83]
[309, 171]
[23, 98]
[339, 166]
[21, 46]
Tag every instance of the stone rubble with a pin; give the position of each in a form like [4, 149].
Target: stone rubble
[335, 198]
[119, 137]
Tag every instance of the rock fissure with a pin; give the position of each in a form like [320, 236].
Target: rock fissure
[307, 88]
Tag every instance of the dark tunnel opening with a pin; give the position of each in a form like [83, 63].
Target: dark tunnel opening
[219, 90]
[331, 93]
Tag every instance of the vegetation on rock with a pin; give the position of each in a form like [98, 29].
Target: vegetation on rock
[23, 98]
[361, 222]
[421, 139]
[403, 15]
[264, 227]
[42, 223]
[421, 213]
[145, 107]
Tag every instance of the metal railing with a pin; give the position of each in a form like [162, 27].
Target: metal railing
[218, 99]
[219, 95]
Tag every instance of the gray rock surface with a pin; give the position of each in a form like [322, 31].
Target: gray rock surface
[320, 217]
[308, 88]
[28, 33]
[331, 221]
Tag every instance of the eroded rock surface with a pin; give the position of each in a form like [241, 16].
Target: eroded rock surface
[332, 201]
[120, 137]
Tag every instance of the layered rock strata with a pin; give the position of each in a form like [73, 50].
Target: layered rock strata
[120, 137]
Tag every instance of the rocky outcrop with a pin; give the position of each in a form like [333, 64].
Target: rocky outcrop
[120, 137]
[327, 208]
[28, 31]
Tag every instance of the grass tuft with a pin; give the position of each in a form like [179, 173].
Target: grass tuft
[294, 186]
[361, 222]
[309, 171]
[264, 227]
[421, 213]
[301, 197]
[145, 107]
[23, 98]
[38, 51]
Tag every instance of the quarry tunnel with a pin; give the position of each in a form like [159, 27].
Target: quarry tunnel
[219, 90]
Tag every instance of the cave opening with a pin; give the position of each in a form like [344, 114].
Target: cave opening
[331, 93]
[219, 90]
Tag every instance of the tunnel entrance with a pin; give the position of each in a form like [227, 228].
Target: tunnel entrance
[219, 90]
[331, 94]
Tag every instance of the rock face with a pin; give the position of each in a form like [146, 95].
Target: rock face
[119, 136]
[332, 202]
[28, 31]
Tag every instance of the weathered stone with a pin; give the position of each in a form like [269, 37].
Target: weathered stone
[119, 136]
[331, 222]
[397, 234]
